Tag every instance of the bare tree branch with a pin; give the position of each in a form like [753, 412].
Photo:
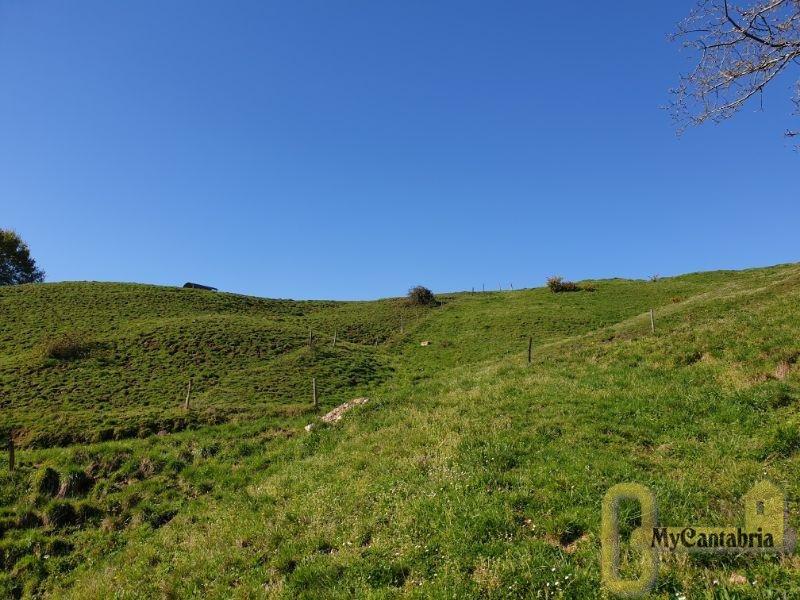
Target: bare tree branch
[740, 50]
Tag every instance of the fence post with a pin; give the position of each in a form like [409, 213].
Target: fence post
[334, 338]
[11, 458]
[188, 393]
[530, 348]
[652, 321]
[314, 390]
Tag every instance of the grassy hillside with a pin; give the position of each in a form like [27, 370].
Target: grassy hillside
[469, 474]
[245, 356]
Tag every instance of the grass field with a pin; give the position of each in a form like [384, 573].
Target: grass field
[470, 473]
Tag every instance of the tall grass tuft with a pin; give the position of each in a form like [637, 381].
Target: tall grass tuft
[67, 346]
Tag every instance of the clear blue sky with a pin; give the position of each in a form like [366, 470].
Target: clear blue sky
[353, 149]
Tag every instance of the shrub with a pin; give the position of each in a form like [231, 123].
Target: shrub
[67, 346]
[557, 285]
[421, 296]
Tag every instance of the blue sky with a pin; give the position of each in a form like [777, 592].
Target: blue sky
[353, 149]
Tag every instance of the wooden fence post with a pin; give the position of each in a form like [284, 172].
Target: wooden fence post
[314, 391]
[652, 321]
[334, 338]
[11, 458]
[530, 348]
[188, 394]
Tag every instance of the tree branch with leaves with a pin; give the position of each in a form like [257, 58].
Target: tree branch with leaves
[16, 263]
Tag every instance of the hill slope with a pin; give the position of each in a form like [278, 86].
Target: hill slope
[469, 474]
[245, 356]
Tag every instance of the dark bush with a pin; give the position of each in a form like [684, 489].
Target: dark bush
[67, 346]
[421, 296]
[557, 285]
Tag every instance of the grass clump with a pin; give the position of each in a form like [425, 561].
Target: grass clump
[87, 512]
[46, 482]
[76, 483]
[67, 346]
[785, 441]
[60, 513]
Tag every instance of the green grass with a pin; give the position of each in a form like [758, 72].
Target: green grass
[469, 474]
[246, 358]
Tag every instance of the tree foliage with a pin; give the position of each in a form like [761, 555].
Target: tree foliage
[421, 296]
[740, 49]
[16, 264]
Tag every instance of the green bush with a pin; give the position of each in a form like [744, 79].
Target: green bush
[67, 346]
[421, 296]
